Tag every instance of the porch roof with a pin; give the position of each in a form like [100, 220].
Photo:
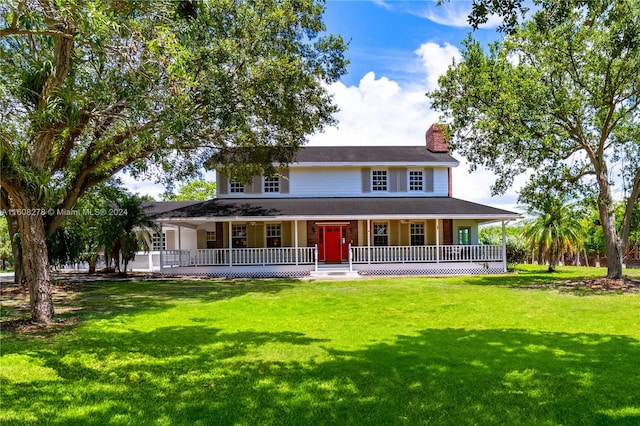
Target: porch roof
[335, 208]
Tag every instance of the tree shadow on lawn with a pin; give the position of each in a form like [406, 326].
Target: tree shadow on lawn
[200, 375]
[86, 299]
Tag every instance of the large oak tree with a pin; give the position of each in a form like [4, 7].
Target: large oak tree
[558, 99]
[90, 88]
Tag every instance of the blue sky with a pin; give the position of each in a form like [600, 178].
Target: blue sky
[384, 36]
[397, 51]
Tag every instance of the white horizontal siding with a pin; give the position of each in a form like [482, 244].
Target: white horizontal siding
[344, 182]
[440, 182]
[325, 182]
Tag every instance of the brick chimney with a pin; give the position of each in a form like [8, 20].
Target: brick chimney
[436, 138]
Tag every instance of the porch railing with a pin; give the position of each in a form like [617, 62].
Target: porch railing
[244, 256]
[426, 254]
[308, 255]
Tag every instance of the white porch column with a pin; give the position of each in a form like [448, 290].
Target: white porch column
[504, 247]
[437, 240]
[161, 249]
[369, 241]
[295, 239]
[230, 245]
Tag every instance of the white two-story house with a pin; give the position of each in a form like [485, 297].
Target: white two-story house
[365, 210]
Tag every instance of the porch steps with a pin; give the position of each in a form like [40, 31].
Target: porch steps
[334, 272]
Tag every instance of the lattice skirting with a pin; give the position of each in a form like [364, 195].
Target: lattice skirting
[256, 274]
[439, 271]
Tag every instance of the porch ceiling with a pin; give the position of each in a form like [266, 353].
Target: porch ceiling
[336, 208]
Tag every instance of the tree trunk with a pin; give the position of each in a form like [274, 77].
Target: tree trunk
[93, 261]
[611, 240]
[36, 267]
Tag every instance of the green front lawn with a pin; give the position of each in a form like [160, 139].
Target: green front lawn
[459, 350]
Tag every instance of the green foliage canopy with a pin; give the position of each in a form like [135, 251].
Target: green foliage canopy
[557, 99]
[192, 190]
[157, 88]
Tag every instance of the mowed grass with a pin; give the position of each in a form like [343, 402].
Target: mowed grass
[452, 351]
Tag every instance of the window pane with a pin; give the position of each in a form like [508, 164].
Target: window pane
[272, 184]
[464, 236]
[273, 235]
[380, 236]
[158, 241]
[236, 187]
[379, 180]
[416, 180]
[417, 234]
[239, 236]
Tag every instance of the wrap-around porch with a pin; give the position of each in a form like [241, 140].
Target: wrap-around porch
[299, 247]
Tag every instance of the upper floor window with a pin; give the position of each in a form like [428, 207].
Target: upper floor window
[417, 234]
[379, 180]
[274, 232]
[271, 184]
[236, 187]
[416, 180]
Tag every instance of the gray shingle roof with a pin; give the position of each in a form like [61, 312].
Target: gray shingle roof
[155, 208]
[327, 208]
[371, 154]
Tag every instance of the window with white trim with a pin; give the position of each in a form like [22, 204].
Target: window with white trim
[239, 235]
[416, 180]
[378, 180]
[417, 233]
[274, 235]
[236, 187]
[271, 184]
[380, 234]
[158, 241]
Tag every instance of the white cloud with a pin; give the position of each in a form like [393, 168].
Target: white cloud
[436, 59]
[453, 14]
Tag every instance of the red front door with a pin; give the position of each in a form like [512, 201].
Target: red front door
[332, 244]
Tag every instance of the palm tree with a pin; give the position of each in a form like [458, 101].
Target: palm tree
[555, 229]
[125, 229]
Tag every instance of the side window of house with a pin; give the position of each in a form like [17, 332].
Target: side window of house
[380, 234]
[211, 239]
[417, 234]
[379, 180]
[158, 241]
[416, 180]
[239, 236]
[236, 187]
[274, 238]
[271, 184]
[464, 235]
